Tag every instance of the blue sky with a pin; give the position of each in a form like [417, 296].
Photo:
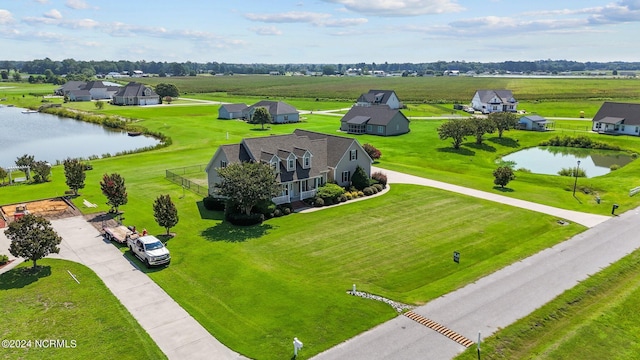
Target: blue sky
[320, 31]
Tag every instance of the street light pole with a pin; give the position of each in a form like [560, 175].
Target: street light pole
[576, 182]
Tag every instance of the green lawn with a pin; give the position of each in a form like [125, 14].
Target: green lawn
[49, 304]
[597, 319]
[255, 288]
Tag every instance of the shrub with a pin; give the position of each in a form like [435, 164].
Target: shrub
[573, 172]
[371, 150]
[3, 259]
[360, 180]
[368, 191]
[328, 201]
[343, 198]
[347, 196]
[318, 202]
[378, 187]
[277, 213]
[213, 203]
[330, 191]
[240, 219]
[286, 211]
[264, 207]
[360, 194]
[614, 167]
[380, 178]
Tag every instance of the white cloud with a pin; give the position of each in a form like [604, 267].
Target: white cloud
[77, 4]
[266, 30]
[399, 7]
[5, 17]
[53, 14]
[289, 17]
[42, 1]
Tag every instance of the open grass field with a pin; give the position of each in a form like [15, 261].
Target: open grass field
[594, 320]
[255, 288]
[49, 304]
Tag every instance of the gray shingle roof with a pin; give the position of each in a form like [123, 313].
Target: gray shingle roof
[235, 107]
[336, 145]
[382, 96]
[377, 115]
[134, 89]
[503, 95]
[630, 113]
[275, 107]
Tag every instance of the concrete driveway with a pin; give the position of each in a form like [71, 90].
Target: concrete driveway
[176, 332]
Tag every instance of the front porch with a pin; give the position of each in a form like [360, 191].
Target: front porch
[298, 190]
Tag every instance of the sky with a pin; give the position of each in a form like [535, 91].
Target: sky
[320, 31]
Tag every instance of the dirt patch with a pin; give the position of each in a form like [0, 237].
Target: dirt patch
[56, 208]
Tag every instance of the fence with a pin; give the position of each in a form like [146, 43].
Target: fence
[173, 176]
[634, 191]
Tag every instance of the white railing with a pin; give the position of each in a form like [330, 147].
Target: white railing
[281, 200]
[634, 191]
[307, 194]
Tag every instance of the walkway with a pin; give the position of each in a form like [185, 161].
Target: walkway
[586, 219]
[176, 332]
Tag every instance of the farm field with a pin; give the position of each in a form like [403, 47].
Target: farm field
[49, 304]
[255, 278]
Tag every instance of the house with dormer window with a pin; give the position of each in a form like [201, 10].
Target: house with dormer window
[489, 101]
[135, 94]
[380, 97]
[302, 161]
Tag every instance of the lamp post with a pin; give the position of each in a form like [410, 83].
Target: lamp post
[576, 182]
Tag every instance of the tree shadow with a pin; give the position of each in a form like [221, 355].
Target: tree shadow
[507, 142]
[225, 231]
[206, 214]
[502, 189]
[20, 277]
[483, 147]
[460, 151]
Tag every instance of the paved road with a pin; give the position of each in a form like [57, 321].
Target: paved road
[501, 298]
[177, 334]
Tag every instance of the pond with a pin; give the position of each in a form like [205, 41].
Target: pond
[550, 160]
[50, 138]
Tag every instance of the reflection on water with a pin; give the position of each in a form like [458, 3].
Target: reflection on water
[551, 159]
[50, 138]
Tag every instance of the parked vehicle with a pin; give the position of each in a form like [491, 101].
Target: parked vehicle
[149, 250]
[120, 234]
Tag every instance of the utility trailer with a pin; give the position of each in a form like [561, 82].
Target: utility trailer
[120, 234]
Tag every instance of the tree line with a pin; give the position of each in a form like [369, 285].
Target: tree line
[88, 69]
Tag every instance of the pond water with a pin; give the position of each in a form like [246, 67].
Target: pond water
[50, 138]
[550, 160]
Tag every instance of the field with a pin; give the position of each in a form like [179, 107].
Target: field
[49, 304]
[255, 288]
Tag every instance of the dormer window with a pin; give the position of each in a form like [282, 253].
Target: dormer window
[291, 162]
[306, 162]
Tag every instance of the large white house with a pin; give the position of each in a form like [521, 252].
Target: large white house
[617, 118]
[302, 161]
[488, 101]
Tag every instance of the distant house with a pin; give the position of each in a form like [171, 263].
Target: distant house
[375, 120]
[617, 118]
[135, 94]
[380, 97]
[534, 122]
[232, 111]
[79, 95]
[280, 112]
[302, 161]
[69, 86]
[100, 91]
[488, 101]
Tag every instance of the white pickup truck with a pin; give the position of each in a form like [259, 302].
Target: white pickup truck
[149, 250]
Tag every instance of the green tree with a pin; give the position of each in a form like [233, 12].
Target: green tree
[113, 188]
[17, 77]
[457, 130]
[247, 183]
[165, 212]
[261, 116]
[26, 160]
[42, 171]
[74, 174]
[3, 174]
[479, 127]
[372, 151]
[99, 104]
[32, 238]
[359, 179]
[4, 74]
[503, 175]
[503, 121]
[163, 90]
